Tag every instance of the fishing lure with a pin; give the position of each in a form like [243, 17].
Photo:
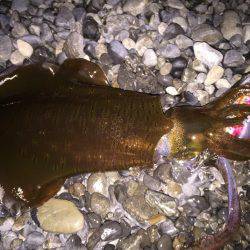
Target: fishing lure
[60, 121]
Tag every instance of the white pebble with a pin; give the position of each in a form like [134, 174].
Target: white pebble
[149, 58]
[222, 83]
[128, 43]
[17, 58]
[24, 48]
[172, 91]
[166, 69]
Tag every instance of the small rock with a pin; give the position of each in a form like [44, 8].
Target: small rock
[172, 91]
[24, 48]
[166, 69]
[144, 42]
[176, 4]
[6, 224]
[172, 31]
[135, 7]
[20, 5]
[128, 43]
[90, 29]
[77, 189]
[202, 96]
[97, 182]
[162, 27]
[65, 18]
[79, 13]
[74, 45]
[165, 243]
[183, 42]
[35, 29]
[179, 63]
[181, 21]
[74, 242]
[188, 75]
[110, 230]
[233, 58]
[117, 51]
[99, 204]
[198, 66]
[5, 48]
[162, 202]
[151, 182]
[168, 227]
[222, 83]
[139, 208]
[206, 54]
[94, 220]
[231, 24]
[149, 58]
[17, 58]
[34, 240]
[165, 80]
[214, 74]
[60, 216]
[16, 244]
[236, 41]
[19, 30]
[195, 205]
[206, 33]
[169, 51]
[246, 33]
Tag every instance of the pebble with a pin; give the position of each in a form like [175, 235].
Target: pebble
[143, 43]
[183, 42]
[151, 182]
[60, 216]
[94, 220]
[149, 58]
[165, 80]
[179, 63]
[195, 205]
[168, 227]
[128, 43]
[6, 224]
[246, 33]
[166, 69]
[117, 51]
[34, 240]
[162, 202]
[90, 29]
[77, 189]
[233, 58]
[5, 48]
[206, 33]
[172, 31]
[99, 204]
[198, 66]
[222, 83]
[202, 96]
[206, 54]
[74, 242]
[20, 5]
[16, 58]
[110, 230]
[19, 30]
[139, 208]
[65, 18]
[231, 24]
[135, 7]
[165, 243]
[169, 51]
[24, 48]
[236, 41]
[172, 91]
[97, 182]
[188, 75]
[73, 46]
[176, 4]
[214, 74]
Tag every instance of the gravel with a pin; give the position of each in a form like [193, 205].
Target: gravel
[187, 51]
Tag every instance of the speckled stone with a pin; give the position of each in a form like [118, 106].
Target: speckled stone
[214, 74]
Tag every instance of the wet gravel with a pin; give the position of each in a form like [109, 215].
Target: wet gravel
[188, 51]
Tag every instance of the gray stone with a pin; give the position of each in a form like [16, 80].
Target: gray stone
[5, 48]
[222, 83]
[206, 54]
[246, 33]
[34, 240]
[183, 42]
[117, 51]
[206, 33]
[162, 202]
[172, 31]
[233, 58]
[168, 227]
[20, 5]
[165, 243]
[176, 4]
[65, 18]
[149, 58]
[169, 51]
[135, 7]
[151, 182]
[100, 204]
[6, 224]
[139, 208]
[73, 47]
[19, 30]
[231, 24]
[74, 242]
[60, 216]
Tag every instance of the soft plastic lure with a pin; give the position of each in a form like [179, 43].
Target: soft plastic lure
[58, 122]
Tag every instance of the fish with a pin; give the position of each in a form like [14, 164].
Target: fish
[57, 122]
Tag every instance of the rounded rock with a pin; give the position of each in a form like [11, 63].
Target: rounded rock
[24, 48]
[34, 240]
[233, 58]
[5, 48]
[97, 182]
[17, 58]
[149, 58]
[214, 74]
[60, 216]
[117, 51]
[99, 204]
[166, 69]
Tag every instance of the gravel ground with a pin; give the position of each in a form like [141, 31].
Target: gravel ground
[188, 51]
